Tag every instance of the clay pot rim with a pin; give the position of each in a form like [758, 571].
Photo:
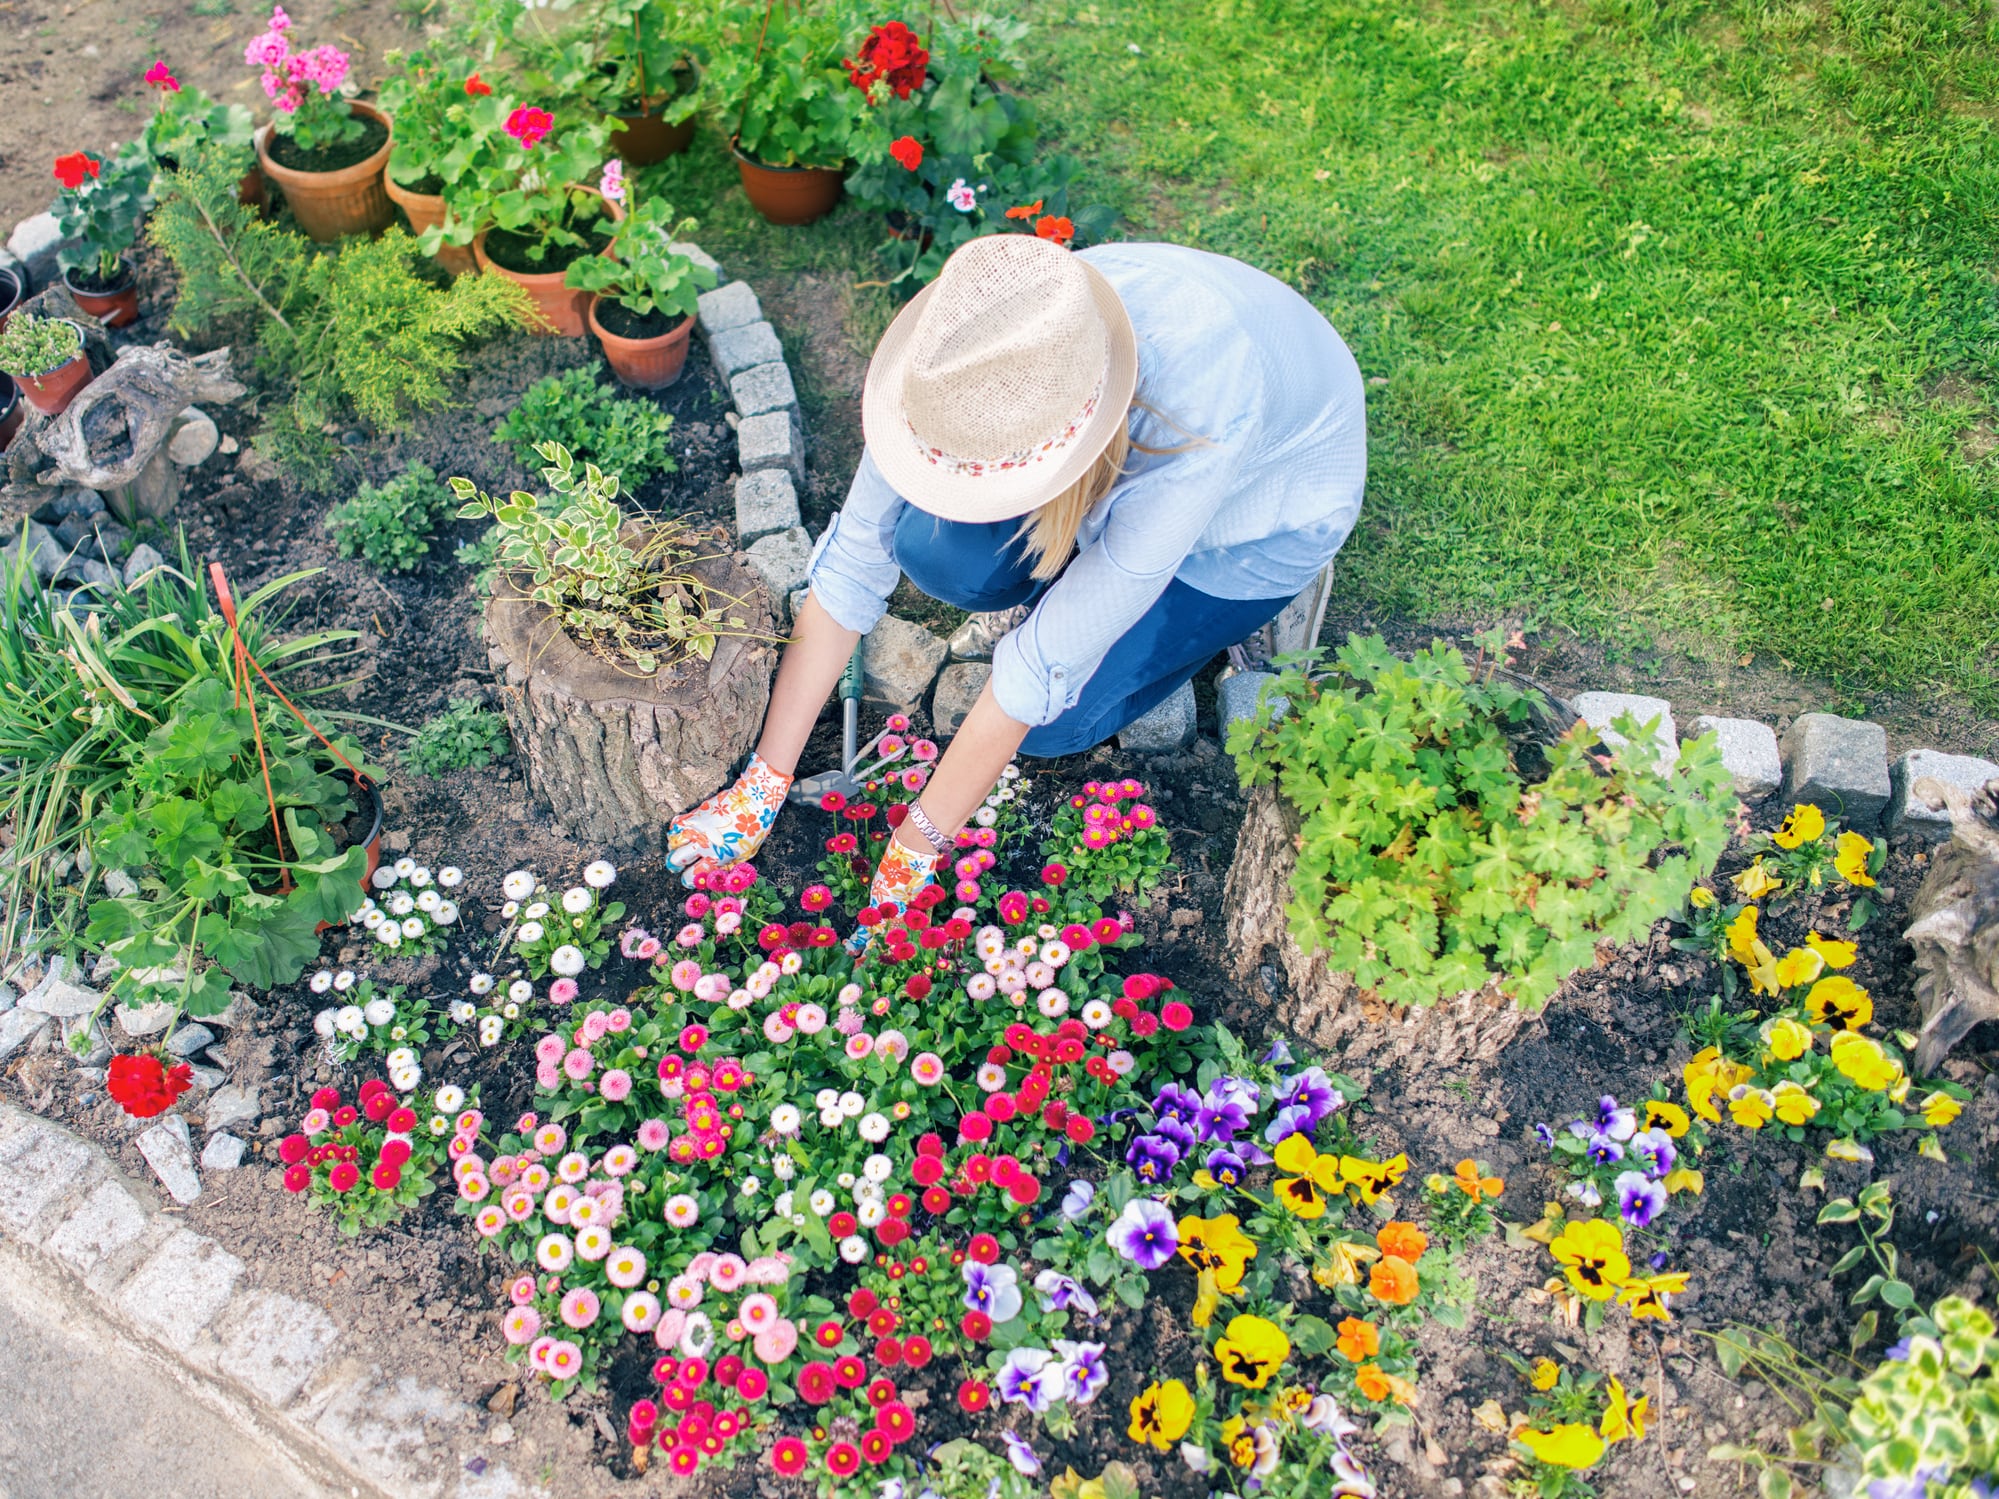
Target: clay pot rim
[534, 278]
[82, 352]
[20, 285]
[125, 282]
[676, 331]
[400, 194]
[763, 166]
[347, 176]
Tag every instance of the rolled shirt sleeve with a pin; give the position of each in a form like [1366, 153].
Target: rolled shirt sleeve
[853, 568]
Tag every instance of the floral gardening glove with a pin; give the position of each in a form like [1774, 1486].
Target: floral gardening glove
[900, 877]
[730, 826]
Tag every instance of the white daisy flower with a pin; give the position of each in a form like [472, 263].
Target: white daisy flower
[406, 1079]
[870, 1212]
[321, 981]
[491, 1027]
[536, 911]
[598, 874]
[877, 1167]
[991, 1077]
[1053, 1003]
[420, 876]
[853, 1249]
[389, 934]
[845, 1181]
[781, 1204]
[530, 931]
[518, 886]
[874, 1128]
[348, 1018]
[1096, 1014]
[399, 1033]
[985, 817]
[344, 980]
[462, 1011]
[520, 991]
[511, 909]
[413, 927]
[482, 983]
[1011, 773]
[821, 1202]
[510, 1010]
[826, 1098]
[567, 960]
[784, 1168]
[402, 1057]
[682, 1210]
[451, 877]
[439, 1124]
[576, 900]
[430, 900]
[405, 867]
[322, 1023]
[831, 1118]
[379, 1011]
[749, 1186]
[851, 1104]
[372, 919]
[785, 1119]
[401, 903]
[446, 913]
[449, 1099]
[382, 878]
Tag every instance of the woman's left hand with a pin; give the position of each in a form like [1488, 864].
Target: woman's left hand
[900, 877]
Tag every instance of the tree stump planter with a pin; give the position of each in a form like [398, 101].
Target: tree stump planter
[1954, 921]
[1328, 1009]
[614, 755]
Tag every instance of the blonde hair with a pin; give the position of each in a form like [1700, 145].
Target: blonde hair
[1050, 530]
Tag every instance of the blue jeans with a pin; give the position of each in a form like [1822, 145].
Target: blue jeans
[982, 566]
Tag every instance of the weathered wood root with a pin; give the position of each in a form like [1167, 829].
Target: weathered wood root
[1954, 922]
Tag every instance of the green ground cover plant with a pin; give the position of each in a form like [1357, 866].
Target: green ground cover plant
[392, 525]
[621, 434]
[463, 737]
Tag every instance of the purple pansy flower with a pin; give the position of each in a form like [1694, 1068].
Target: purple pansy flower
[1029, 1377]
[1152, 1158]
[1021, 1456]
[1144, 1233]
[1172, 1129]
[1655, 1148]
[1618, 1123]
[1176, 1102]
[1639, 1198]
[1060, 1293]
[1076, 1201]
[1603, 1149]
[1082, 1368]
[994, 1290]
[1225, 1166]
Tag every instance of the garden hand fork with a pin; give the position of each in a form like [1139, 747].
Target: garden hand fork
[807, 791]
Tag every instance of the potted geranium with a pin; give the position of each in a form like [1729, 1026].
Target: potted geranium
[98, 210]
[523, 204]
[797, 107]
[188, 126]
[327, 153]
[643, 308]
[45, 356]
[432, 101]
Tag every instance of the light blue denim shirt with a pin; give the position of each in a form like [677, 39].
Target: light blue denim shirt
[1228, 353]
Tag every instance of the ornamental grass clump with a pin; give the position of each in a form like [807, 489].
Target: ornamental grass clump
[1430, 863]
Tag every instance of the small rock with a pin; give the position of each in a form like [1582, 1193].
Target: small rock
[1908, 813]
[223, 1152]
[208, 1079]
[233, 1104]
[783, 560]
[190, 1039]
[118, 884]
[17, 1028]
[899, 661]
[1601, 709]
[88, 572]
[1165, 728]
[1748, 752]
[255, 467]
[77, 502]
[397, 841]
[86, 1041]
[1236, 697]
[144, 559]
[766, 503]
[794, 603]
[501, 1434]
[958, 687]
[228, 447]
[195, 438]
[8, 998]
[167, 1150]
[57, 995]
[239, 1011]
[1839, 765]
[34, 242]
[45, 553]
[773, 440]
[1187, 916]
[737, 349]
[494, 406]
[145, 1020]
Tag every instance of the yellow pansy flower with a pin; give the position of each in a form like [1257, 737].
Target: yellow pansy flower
[1798, 967]
[1707, 1074]
[1836, 954]
[1161, 1414]
[1742, 935]
[1793, 1104]
[1848, 1150]
[1755, 882]
[1669, 1117]
[1251, 1351]
[1310, 1176]
[1929, 1148]
[1939, 1109]
[1372, 1178]
[1861, 1060]
[1805, 823]
[1343, 1264]
[1646, 1297]
[1850, 856]
[1786, 1039]
[1570, 1445]
[1751, 1107]
[1546, 1373]
[1218, 1245]
[1623, 1418]
[1591, 1252]
[1684, 1179]
[1837, 1000]
[1700, 897]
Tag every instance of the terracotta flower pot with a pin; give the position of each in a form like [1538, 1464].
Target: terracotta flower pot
[12, 290]
[644, 140]
[114, 308]
[644, 363]
[369, 800]
[52, 392]
[350, 200]
[564, 311]
[12, 413]
[789, 195]
[425, 211]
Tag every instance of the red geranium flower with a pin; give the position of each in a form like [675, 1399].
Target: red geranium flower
[477, 87]
[1060, 230]
[891, 54]
[1028, 211]
[908, 152]
[161, 77]
[144, 1086]
[71, 170]
[528, 125]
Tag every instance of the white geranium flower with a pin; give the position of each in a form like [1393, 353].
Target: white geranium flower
[567, 960]
[576, 901]
[599, 873]
[536, 911]
[383, 877]
[451, 877]
[518, 886]
[530, 931]
[321, 981]
[482, 983]
[322, 1023]
[379, 1011]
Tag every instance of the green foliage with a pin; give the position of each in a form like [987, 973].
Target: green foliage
[1873, 1216]
[31, 345]
[622, 434]
[355, 329]
[638, 270]
[600, 54]
[463, 737]
[426, 97]
[189, 126]
[492, 181]
[1427, 864]
[99, 219]
[790, 102]
[632, 601]
[392, 525]
[219, 898]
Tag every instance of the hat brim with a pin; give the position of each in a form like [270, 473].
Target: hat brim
[992, 495]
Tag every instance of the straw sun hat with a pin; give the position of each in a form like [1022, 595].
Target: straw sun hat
[1001, 382]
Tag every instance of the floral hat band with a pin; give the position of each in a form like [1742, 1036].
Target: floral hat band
[1001, 383]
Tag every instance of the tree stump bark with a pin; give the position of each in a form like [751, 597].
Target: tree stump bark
[1954, 921]
[1326, 1008]
[613, 755]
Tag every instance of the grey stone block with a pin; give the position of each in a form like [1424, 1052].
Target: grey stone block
[737, 349]
[765, 387]
[144, 559]
[223, 1152]
[1600, 709]
[171, 1155]
[34, 243]
[57, 994]
[766, 503]
[42, 1168]
[181, 1288]
[794, 604]
[273, 1344]
[1749, 751]
[773, 440]
[78, 503]
[379, 1427]
[699, 256]
[105, 1222]
[145, 1020]
[727, 307]
[1167, 727]
[233, 1104]
[899, 661]
[1907, 812]
[189, 1039]
[958, 687]
[782, 560]
[17, 1028]
[1839, 765]
[88, 572]
[1236, 698]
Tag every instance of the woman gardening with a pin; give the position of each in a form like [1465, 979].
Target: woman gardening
[1140, 452]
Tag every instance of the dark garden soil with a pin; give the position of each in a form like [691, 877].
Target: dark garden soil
[418, 1299]
[286, 151]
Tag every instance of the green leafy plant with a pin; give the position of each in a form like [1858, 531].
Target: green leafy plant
[777, 83]
[638, 271]
[635, 602]
[355, 329]
[609, 55]
[520, 171]
[621, 434]
[98, 210]
[463, 737]
[220, 895]
[1429, 864]
[393, 524]
[1873, 1216]
[188, 125]
[431, 100]
[31, 345]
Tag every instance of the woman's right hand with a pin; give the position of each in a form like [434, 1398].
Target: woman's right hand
[728, 827]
